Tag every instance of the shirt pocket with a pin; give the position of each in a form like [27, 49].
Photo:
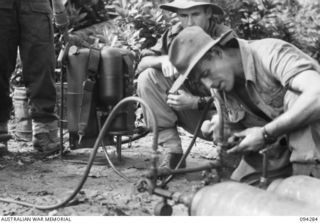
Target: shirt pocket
[274, 97]
[38, 22]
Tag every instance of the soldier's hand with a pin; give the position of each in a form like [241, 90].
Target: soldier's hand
[251, 140]
[182, 101]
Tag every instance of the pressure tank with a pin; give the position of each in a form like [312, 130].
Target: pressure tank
[237, 199]
[110, 84]
[302, 188]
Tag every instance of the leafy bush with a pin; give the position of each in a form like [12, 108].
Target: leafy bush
[141, 22]
[288, 21]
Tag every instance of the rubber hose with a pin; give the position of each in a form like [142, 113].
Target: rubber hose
[94, 152]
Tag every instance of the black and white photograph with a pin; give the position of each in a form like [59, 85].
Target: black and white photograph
[160, 108]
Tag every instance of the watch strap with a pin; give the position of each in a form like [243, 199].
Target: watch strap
[268, 138]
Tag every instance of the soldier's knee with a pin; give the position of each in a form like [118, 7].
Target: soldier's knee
[145, 78]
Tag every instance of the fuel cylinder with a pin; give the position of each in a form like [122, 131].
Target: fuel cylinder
[302, 188]
[237, 199]
[111, 80]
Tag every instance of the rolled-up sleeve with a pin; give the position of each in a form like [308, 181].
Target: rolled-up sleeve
[284, 61]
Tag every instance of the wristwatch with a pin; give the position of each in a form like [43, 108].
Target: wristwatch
[202, 103]
[268, 138]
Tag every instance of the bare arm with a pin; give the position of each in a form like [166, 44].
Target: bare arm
[304, 111]
[158, 62]
[150, 61]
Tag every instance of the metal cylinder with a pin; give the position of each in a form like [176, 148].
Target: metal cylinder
[236, 199]
[111, 86]
[302, 188]
[23, 121]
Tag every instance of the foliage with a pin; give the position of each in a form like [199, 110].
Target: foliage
[141, 24]
[85, 13]
[137, 24]
[307, 30]
[288, 21]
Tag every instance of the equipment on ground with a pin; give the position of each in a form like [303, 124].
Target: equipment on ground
[302, 188]
[97, 80]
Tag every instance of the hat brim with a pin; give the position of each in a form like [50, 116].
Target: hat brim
[174, 6]
[182, 77]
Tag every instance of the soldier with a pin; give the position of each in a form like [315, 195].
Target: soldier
[268, 86]
[27, 25]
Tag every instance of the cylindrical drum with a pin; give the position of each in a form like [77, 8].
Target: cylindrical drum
[23, 122]
[302, 188]
[111, 88]
[237, 199]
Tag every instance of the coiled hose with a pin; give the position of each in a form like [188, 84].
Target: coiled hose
[104, 129]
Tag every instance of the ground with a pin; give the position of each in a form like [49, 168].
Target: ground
[47, 182]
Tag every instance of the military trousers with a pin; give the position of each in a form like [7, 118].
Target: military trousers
[153, 87]
[27, 25]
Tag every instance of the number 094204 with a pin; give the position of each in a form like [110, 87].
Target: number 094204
[308, 219]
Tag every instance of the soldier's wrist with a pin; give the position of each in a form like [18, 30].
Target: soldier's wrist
[201, 103]
[268, 137]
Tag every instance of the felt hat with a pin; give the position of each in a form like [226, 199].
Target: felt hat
[188, 48]
[186, 4]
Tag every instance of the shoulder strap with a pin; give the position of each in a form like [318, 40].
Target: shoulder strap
[88, 88]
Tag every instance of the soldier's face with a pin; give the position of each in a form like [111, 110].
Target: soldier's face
[215, 71]
[195, 16]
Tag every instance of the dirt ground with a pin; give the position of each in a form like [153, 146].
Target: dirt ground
[47, 182]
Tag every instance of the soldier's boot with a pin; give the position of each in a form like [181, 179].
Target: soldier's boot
[45, 138]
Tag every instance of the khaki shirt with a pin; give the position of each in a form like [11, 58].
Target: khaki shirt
[269, 66]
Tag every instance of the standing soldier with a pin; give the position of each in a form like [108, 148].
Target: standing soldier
[27, 25]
